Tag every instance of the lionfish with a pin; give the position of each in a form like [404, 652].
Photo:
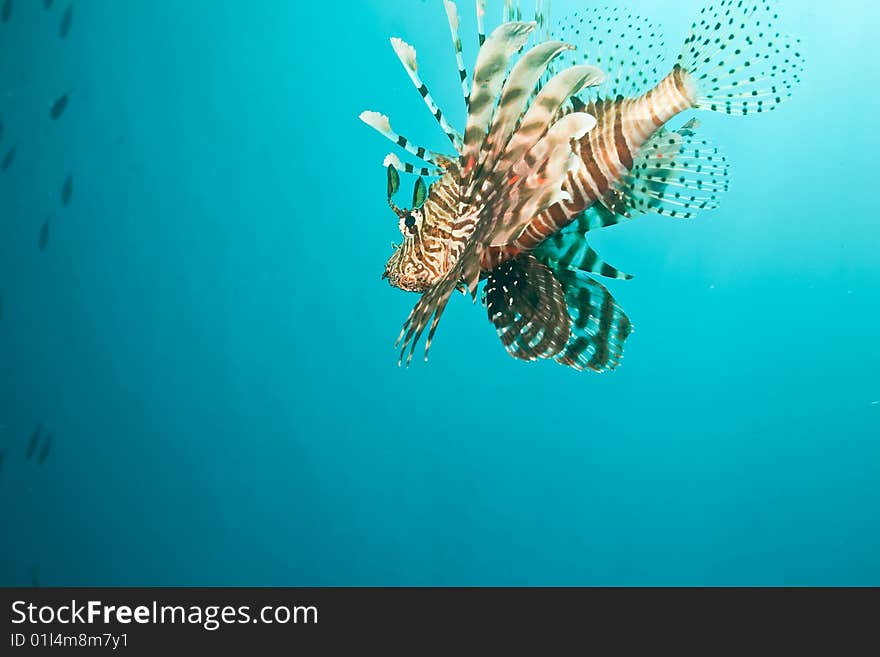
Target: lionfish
[559, 142]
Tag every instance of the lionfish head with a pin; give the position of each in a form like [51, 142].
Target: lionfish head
[406, 269]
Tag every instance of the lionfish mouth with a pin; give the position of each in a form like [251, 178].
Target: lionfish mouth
[406, 286]
[404, 283]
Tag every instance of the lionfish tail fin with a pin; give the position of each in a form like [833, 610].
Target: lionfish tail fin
[738, 59]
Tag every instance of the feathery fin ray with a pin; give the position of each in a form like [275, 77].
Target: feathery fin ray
[677, 174]
[381, 124]
[407, 56]
[739, 59]
[452, 17]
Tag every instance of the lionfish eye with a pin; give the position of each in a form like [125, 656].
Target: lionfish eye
[410, 221]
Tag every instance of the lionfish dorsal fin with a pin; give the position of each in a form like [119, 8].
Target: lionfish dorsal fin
[407, 56]
[381, 124]
[545, 107]
[538, 177]
[518, 89]
[512, 11]
[481, 30]
[627, 47]
[392, 159]
[489, 74]
[453, 19]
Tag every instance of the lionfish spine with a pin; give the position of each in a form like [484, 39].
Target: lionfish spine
[381, 124]
[407, 55]
[392, 160]
[452, 17]
[481, 13]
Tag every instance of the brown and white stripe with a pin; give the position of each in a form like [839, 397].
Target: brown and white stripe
[607, 152]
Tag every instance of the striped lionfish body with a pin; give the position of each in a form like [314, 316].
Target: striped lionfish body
[559, 142]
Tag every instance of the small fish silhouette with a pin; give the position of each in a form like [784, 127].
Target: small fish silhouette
[8, 159]
[33, 442]
[44, 236]
[67, 190]
[6, 13]
[44, 453]
[66, 22]
[58, 107]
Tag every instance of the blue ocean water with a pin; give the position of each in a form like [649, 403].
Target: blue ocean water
[207, 338]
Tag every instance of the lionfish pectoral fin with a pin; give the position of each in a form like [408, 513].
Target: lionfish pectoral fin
[569, 250]
[616, 202]
[429, 309]
[599, 327]
[690, 128]
[677, 174]
[527, 305]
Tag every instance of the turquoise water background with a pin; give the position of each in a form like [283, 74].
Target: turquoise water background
[209, 341]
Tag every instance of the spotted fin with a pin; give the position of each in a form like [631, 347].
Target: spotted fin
[677, 174]
[627, 47]
[739, 59]
[527, 305]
